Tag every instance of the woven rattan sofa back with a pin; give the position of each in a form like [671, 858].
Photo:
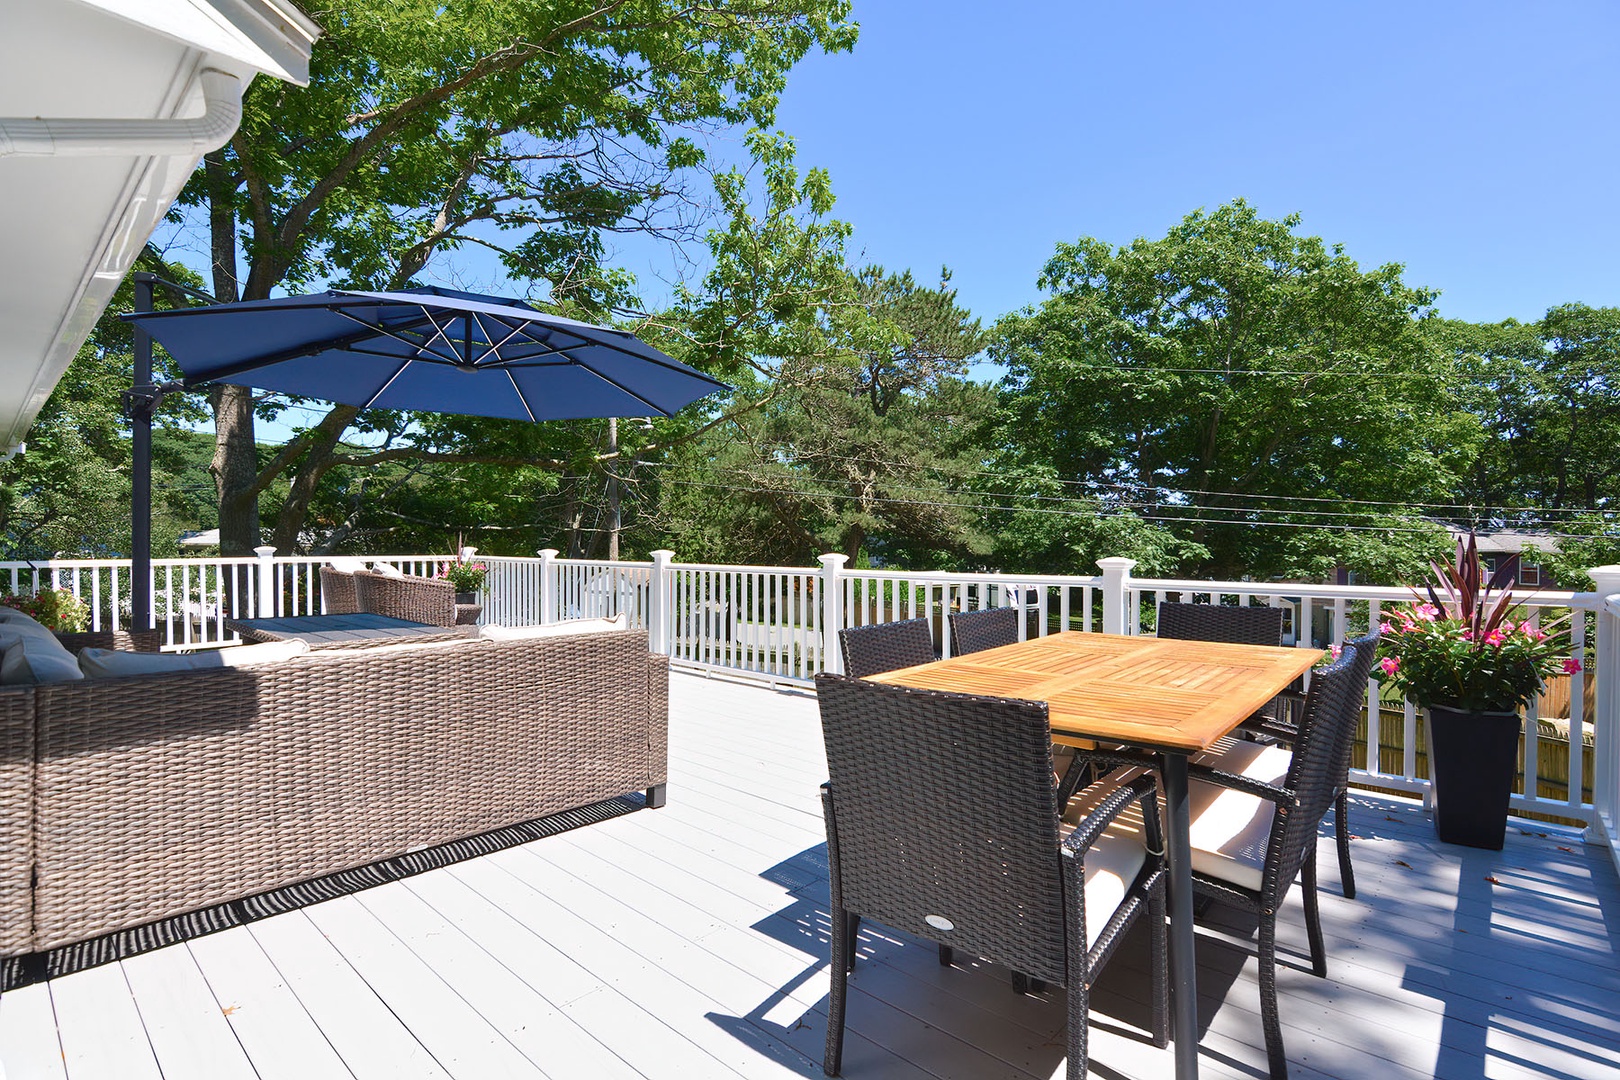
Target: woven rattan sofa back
[157, 795]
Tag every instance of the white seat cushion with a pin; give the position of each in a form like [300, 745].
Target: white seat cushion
[566, 628]
[1113, 861]
[1230, 829]
[112, 663]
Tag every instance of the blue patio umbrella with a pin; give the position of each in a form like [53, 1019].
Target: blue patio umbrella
[429, 350]
[420, 349]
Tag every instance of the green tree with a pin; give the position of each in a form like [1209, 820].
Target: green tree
[532, 127]
[1228, 376]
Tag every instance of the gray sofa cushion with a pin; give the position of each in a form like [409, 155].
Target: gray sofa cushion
[34, 656]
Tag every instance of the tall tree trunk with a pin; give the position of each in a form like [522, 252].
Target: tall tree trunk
[613, 490]
[235, 463]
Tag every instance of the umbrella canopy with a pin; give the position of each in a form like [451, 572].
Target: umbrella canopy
[428, 350]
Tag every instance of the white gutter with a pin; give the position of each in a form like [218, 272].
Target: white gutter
[190, 137]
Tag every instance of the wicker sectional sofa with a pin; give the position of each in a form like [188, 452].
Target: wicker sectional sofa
[128, 800]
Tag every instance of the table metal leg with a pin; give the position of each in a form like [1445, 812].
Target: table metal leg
[1183, 964]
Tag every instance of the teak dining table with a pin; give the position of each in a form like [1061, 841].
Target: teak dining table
[1173, 698]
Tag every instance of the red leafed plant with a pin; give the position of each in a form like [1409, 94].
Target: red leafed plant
[1459, 646]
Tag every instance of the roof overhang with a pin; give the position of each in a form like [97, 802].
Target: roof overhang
[74, 212]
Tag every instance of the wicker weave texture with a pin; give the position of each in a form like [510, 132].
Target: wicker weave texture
[338, 596]
[975, 631]
[419, 599]
[157, 795]
[16, 818]
[1245, 625]
[982, 850]
[124, 640]
[880, 647]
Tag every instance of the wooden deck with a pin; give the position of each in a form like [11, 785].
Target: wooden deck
[690, 942]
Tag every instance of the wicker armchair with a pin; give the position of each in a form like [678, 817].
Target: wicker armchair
[982, 864]
[880, 647]
[973, 631]
[1251, 838]
[418, 599]
[1286, 733]
[338, 596]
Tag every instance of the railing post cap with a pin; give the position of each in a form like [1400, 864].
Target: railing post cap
[265, 551]
[1117, 564]
[1606, 578]
[663, 555]
[833, 559]
[548, 553]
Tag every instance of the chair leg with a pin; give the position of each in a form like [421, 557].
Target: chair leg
[1268, 998]
[1020, 983]
[1313, 915]
[841, 936]
[1079, 1020]
[1341, 826]
[946, 955]
[1160, 958]
[852, 925]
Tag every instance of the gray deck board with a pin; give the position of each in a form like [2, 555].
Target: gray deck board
[691, 942]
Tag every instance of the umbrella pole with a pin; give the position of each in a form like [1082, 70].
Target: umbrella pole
[141, 403]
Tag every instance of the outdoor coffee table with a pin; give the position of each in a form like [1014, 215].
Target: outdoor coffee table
[343, 631]
[1174, 698]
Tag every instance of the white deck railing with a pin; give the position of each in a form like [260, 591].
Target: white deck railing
[779, 624]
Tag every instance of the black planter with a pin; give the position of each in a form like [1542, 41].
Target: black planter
[1472, 759]
[466, 598]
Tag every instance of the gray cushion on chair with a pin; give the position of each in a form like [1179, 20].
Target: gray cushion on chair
[34, 657]
[1230, 829]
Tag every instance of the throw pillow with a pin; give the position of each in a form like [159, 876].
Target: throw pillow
[386, 569]
[31, 659]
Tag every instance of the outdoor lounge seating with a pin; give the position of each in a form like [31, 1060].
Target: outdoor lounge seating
[973, 631]
[406, 596]
[338, 595]
[984, 866]
[131, 799]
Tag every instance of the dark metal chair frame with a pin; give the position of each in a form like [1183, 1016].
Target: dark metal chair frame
[1238, 625]
[981, 865]
[989, 628]
[880, 647]
[1285, 732]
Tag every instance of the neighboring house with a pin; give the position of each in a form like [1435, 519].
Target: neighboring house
[106, 106]
[1515, 548]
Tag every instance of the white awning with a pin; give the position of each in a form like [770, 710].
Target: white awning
[78, 201]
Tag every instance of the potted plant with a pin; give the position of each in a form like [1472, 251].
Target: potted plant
[467, 577]
[1460, 654]
[54, 609]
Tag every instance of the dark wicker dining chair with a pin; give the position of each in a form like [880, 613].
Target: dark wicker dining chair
[983, 865]
[880, 647]
[974, 631]
[1251, 839]
[1285, 733]
[1221, 622]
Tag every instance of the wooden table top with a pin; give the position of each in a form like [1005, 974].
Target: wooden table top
[1145, 691]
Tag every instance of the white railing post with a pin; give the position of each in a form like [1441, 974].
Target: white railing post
[267, 581]
[661, 603]
[548, 585]
[1116, 583]
[1606, 723]
[832, 610]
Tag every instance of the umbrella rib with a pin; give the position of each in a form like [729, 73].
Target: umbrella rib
[521, 399]
[344, 343]
[671, 364]
[418, 347]
[495, 346]
[383, 389]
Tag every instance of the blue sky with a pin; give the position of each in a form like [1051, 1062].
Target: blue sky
[1475, 143]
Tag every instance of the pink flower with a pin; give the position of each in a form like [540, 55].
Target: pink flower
[1385, 628]
[1390, 664]
[1507, 626]
[1425, 612]
[1571, 666]
[1336, 651]
[1495, 637]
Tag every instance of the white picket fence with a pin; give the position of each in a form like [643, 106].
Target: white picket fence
[779, 624]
